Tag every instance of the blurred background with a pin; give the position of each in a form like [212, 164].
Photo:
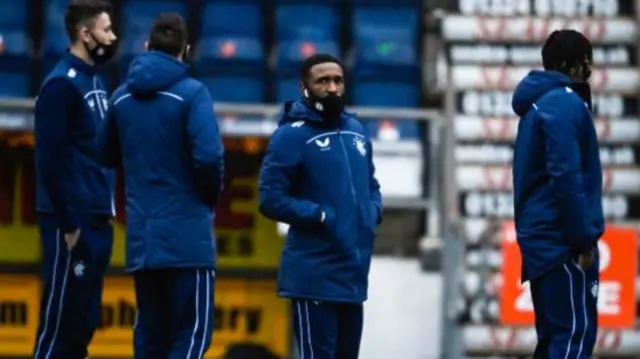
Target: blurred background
[432, 81]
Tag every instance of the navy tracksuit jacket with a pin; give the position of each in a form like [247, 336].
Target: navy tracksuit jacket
[73, 191]
[311, 168]
[161, 127]
[557, 181]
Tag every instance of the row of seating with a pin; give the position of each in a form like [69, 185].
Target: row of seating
[231, 52]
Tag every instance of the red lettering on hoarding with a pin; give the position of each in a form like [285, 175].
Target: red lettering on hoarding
[493, 77]
[497, 177]
[497, 127]
[599, 79]
[503, 337]
[607, 179]
[603, 128]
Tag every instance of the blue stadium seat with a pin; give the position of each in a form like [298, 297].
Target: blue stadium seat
[416, 3]
[14, 14]
[305, 28]
[311, 22]
[287, 88]
[138, 15]
[236, 87]
[290, 54]
[129, 47]
[386, 36]
[16, 64]
[55, 42]
[15, 84]
[240, 18]
[54, 14]
[221, 51]
[386, 92]
[15, 48]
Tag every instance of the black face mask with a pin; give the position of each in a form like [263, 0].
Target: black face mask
[100, 53]
[329, 107]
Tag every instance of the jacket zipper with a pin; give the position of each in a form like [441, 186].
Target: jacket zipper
[351, 186]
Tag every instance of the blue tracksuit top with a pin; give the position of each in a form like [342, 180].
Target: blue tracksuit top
[162, 128]
[309, 168]
[70, 183]
[557, 175]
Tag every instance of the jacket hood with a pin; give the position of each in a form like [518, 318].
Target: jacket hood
[154, 71]
[535, 85]
[299, 111]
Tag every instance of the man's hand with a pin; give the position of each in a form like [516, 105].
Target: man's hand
[586, 259]
[72, 238]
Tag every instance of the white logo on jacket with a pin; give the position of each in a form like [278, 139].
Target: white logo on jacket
[360, 145]
[324, 143]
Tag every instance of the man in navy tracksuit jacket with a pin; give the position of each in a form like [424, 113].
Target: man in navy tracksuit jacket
[74, 193]
[318, 177]
[161, 127]
[557, 180]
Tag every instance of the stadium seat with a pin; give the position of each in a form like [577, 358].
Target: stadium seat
[228, 51]
[385, 37]
[221, 18]
[386, 92]
[290, 54]
[14, 14]
[384, 2]
[312, 21]
[236, 87]
[304, 28]
[138, 15]
[15, 84]
[55, 42]
[16, 63]
[287, 88]
[54, 13]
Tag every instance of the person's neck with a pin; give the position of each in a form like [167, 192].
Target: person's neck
[80, 52]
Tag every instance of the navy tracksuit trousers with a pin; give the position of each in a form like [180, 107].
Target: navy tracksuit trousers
[565, 302]
[175, 313]
[326, 330]
[72, 287]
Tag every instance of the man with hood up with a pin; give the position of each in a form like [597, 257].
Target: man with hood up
[75, 193]
[318, 177]
[161, 127]
[557, 182]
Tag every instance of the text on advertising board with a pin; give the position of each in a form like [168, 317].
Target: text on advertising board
[245, 239]
[19, 301]
[616, 296]
[245, 311]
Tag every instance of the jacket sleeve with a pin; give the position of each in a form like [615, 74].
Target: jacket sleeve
[107, 141]
[277, 178]
[207, 150]
[374, 186]
[55, 107]
[561, 120]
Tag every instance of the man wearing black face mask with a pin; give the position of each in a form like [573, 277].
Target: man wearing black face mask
[75, 193]
[318, 177]
[557, 182]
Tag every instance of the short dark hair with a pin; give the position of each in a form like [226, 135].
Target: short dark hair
[565, 49]
[168, 34]
[314, 60]
[83, 13]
